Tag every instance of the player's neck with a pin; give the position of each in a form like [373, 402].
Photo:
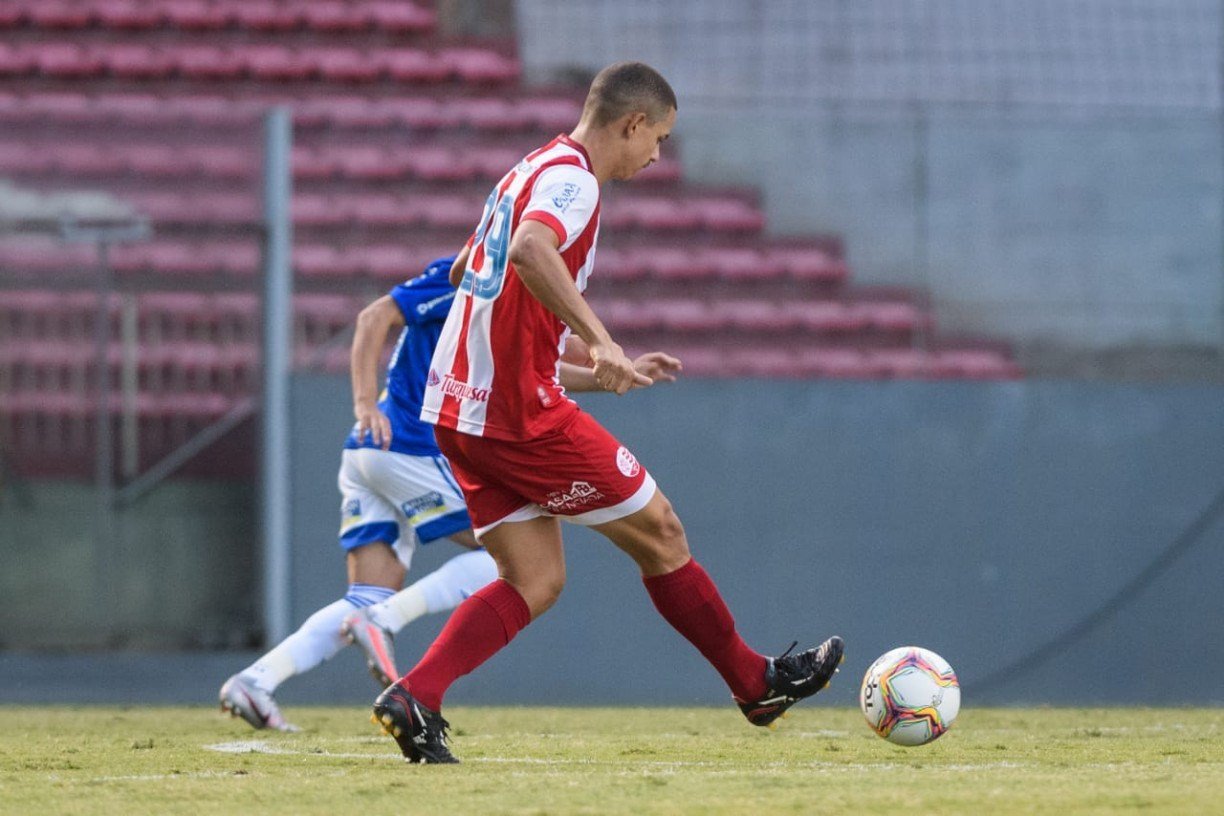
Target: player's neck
[598, 149]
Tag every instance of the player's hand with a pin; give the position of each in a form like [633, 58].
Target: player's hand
[613, 370]
[658, 367]
[374, 422]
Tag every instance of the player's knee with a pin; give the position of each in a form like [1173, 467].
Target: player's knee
[667, 530]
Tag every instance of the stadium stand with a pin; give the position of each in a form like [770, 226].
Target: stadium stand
[398, 136]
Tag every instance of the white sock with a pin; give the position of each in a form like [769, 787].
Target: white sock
[441, 590]
[317, 639]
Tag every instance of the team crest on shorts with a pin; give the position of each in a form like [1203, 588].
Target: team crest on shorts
[626, 463]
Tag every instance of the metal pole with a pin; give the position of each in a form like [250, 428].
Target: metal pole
[104, 454]
[277, 359]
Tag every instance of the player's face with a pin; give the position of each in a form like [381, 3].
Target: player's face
[643, 144]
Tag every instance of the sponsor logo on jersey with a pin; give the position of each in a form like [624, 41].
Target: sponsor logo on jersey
[580, 494]
[433, 378]
[428, 505]
[423, 308]
[627, 463]
[563, 199]
[461, 390]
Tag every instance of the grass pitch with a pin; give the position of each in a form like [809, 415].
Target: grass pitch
[597, 761]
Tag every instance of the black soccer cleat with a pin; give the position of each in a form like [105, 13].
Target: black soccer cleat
[789, 678]
[419, 732]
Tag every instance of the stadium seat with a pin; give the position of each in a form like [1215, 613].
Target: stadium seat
[488, 113]
[344, 64]
[452, 212]
[15, 61]
[628, 315]
[613, 265]
[136, 62]
[316, 260]
[553, 115]
[756, 315]
[807, 264]
[825, 317]
[673, 264]
[344, 111]
[277, 63]
[836, 363]
[385, 211]
[207, 62]
[197, 15]
[319, 211]
[222, 162]
[480, 66]
[895, 318]
[60, 14]
[411, 65]
[11, 15]
[422, 113]
[313, 164]
[735, 264]
[727, 215]
[87, 160]
[66, 61]
[332, 16]
[492, 163]
[371, 164]
[266, 15]
[690, 316]
[129, 15]
[441, 163]
[906, 363]
[400, 17]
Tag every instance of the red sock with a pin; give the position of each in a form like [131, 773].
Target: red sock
[477, 629]
[690, 602]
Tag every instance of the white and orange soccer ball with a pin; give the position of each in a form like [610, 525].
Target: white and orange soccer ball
[910, 696]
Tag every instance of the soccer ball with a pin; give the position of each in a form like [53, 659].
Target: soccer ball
[910, 696]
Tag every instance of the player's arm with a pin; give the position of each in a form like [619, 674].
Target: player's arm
[655, 366]
[533, 252]
[460, 264]
[373, 324]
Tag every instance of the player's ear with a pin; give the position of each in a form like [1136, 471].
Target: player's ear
[633, 121]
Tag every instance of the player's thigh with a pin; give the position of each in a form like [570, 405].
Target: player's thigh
[652, 536]
[531, 557]
[366, 517]
[376, 563]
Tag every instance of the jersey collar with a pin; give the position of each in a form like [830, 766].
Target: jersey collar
[568, 142]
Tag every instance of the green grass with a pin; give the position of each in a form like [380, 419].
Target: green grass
[135, 761]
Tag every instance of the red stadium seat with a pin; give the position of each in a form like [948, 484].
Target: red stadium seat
[440, 164]
[129, 14]
[318, 211]
[735, 264]
[60, 14]
[477, 65]
[21, 159]
[266, 15]
[333, 16]
[826, 317]
[344, 111]
[650, 213]
[891, 317]
[486, 113]
[222, 162]
[158, 161]
[393, 262]
[664, 170]
[136, 62]
[422, 113]
[344, 64]
[276, 63]
[366, 163]
[836, 363]
[66, 61]
[207, 62]
[87, 160]
[493, 162]
[411, 65]
[976, 364]
[727, 215]
[11, 15]
[197, 15]
[807, 264]
[629, 315]
[553, 114]
[451, 212]
[385, 211]
[906, 363]
[400, 17]
[673, 264]
[314, 164]
[690, 315]
[619, 265]
[756, 315]
[316, 260]
[15, 61]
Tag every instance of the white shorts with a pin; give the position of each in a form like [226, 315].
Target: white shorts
[397, 499]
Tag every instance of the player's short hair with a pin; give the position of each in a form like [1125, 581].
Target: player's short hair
[628, 87]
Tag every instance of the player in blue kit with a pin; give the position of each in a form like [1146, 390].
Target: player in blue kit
[397, 489]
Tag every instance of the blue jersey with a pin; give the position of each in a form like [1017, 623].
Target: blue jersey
[424, 301]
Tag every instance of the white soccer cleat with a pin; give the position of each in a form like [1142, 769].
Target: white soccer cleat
[244, 699]
[375, 642]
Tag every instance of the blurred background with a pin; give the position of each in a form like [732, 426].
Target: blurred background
[947, 278]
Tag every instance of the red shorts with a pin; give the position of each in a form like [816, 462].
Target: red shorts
[578, 471]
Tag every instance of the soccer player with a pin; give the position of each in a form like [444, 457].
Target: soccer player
[526, 456]
[397, 489]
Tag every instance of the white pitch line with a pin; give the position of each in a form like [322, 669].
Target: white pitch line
[262, 747]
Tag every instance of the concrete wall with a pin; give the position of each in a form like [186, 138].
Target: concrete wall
[181, 572]
[977, 520]
[1054, 177]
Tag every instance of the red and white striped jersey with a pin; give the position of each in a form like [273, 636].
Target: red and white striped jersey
[495, 370]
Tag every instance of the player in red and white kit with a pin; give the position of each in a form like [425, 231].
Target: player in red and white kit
[526, 456]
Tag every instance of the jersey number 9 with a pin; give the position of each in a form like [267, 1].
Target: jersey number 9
[494, 231]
